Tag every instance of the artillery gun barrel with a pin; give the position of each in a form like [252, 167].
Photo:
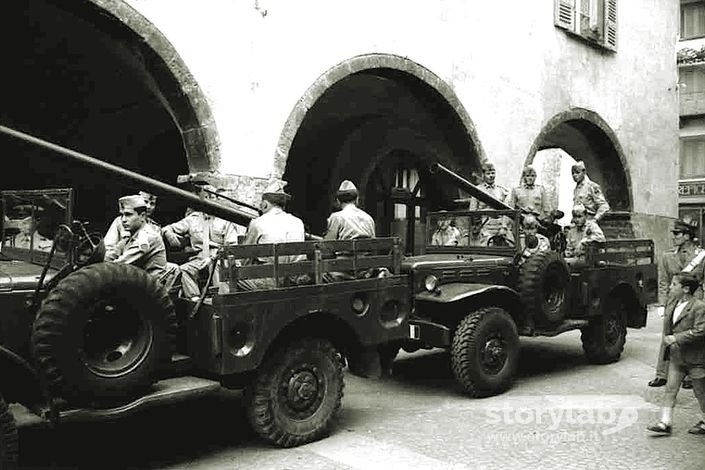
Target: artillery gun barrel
[468, 187]
[149, 184]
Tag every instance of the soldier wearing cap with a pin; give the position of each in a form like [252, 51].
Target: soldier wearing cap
[273, 226]
[494, 225]
[446, 233]
[116, 232]
[686, 256]
[582, 232]
[28, 237]
[588, 193]
[350, 222]
[206, 235]
[143, 246]
[529, 197]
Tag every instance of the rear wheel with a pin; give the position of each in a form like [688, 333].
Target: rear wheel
[297, 392]
[484, 352]
[9, 449]
[604, 337]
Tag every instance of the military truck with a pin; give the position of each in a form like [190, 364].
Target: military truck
[83, 340]
[477, 298]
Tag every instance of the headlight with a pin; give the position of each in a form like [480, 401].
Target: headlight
[430, 283]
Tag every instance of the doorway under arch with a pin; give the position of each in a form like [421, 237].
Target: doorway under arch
[373, 118]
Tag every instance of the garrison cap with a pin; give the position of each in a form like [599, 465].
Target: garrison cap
[347, 188]
[579, 208]
[148, 196]
[528, 169]
[579, 165]
[134, 201]
[680, 226]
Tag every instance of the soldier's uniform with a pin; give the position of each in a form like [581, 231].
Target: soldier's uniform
[34, 241]
[117, 233]
[543, 245]
[206, 235]
[530, 199]
[274, 226]
[577, 237]
[350, 222]
[144, 248]
[479, 239]
[494, 225]
[589, 194]
[448, 237]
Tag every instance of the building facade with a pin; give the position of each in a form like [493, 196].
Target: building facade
[691, 72]
[315, 92]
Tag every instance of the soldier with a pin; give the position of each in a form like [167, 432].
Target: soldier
[588, 193]
[476, 235]
[446, 234]
[686, 256]
[273, 226]
[206, 235]
[530, 198]
[582, 232]
[350, 222]
[494, 225]
[143, 247]
[29, 237]
[116, 232]
[531, 226]
[553, 231]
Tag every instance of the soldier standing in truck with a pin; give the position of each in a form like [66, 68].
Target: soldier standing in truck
[588, 193]
[350, 222]
[529, 197]
[493, 225]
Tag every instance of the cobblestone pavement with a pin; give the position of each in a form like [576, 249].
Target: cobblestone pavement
[561, 413]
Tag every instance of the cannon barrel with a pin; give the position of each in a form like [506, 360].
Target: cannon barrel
[157, 187]
[468, 187]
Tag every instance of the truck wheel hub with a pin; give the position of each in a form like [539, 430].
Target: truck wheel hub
[302, 389]
[494, 355]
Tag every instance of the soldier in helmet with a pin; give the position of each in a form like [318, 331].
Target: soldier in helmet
[116, 232]
[588, 193]
[350, 222]
[143, 246]
[273, 226]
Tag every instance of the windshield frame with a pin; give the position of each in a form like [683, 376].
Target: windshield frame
[513, 215]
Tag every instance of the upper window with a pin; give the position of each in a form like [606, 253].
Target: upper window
[692, 161]
[593, 20]
[692, 19]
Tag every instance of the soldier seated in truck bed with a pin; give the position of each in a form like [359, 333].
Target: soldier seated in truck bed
[581, 233]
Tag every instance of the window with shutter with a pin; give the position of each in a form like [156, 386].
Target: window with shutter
[692, 19]
[593, 20]
[692, 157]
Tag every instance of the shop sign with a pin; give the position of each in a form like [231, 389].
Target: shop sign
[691, 188]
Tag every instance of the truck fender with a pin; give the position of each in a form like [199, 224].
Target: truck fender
[458, 291]
[24, 385]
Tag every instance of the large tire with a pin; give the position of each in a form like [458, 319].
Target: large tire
[484, 352]
[9, 448]
[544, 285]
[103, 333]
[296, 393]
[604, 337]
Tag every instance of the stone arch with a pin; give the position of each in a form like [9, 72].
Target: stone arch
[172, 80]
[586, 136]
[394, 97]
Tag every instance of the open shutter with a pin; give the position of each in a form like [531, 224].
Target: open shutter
[611, 24]
[564, 14]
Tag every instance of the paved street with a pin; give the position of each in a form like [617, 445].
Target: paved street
[561, 413]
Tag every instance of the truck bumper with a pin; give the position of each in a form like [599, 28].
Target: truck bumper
[429, 333]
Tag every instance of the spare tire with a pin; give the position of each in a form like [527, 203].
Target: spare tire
[9, 449]
[103, 333]
[544, 285]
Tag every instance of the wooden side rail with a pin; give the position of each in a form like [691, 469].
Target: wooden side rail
[620, 252]
[316, 258]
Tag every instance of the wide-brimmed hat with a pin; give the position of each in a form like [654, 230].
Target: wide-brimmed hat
[274, 192]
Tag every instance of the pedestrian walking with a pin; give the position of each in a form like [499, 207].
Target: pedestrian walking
[684, 337]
